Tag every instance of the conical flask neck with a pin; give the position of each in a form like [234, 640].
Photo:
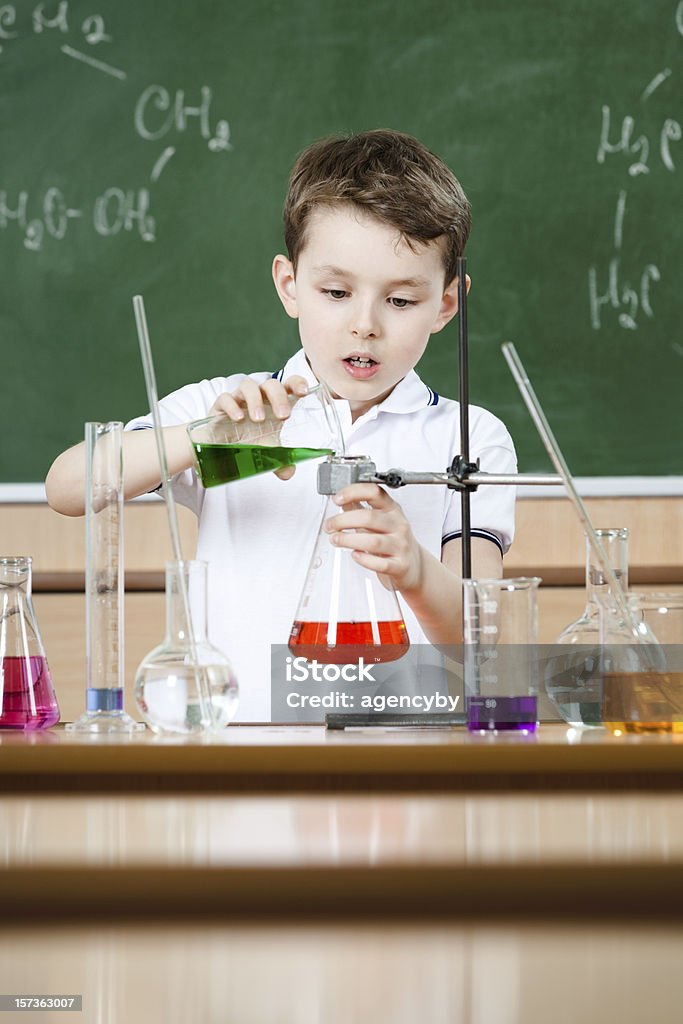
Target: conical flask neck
[19, 635]
[615, 545]
[15, 575]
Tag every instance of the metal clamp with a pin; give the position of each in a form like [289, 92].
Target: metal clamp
[340, 471]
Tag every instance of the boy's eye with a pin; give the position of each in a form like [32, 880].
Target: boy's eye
[399, 303]
[335, 293]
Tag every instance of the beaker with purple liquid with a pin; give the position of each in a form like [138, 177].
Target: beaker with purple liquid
[501, 660]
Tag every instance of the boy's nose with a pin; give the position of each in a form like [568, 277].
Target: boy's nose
[364, 324]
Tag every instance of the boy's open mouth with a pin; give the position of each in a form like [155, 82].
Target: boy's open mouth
[360, 366]
[360, 361]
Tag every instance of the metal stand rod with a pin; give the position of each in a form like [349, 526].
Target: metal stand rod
[464, 414]
[402, 478]
[518, 479]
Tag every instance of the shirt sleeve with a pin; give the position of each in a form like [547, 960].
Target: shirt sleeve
[492, 508]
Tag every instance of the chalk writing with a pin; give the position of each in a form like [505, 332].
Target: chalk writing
[51, 18]
[161, 162]
[658, 80]
[8, 17]
[100, 65]
[93, 30]
[42, 21]
[639, 147]
[157, 114]
[629, 299]
[621, 296]
[113, 211]
[118, 210]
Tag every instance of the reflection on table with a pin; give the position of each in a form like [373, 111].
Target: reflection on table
[335, 974]
[206, 831]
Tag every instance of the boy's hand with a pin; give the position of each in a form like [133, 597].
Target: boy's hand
[253, 399]
[380, 536]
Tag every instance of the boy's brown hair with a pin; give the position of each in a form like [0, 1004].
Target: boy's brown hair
[387, 175]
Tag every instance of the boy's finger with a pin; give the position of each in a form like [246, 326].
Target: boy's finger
[373, 494]
[371, 543]
[286, 472]
[251, 392]
[229, 405]
[297, 385]
[359, 519]
[277, 396]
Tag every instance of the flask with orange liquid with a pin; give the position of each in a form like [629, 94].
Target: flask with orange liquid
[345, 611]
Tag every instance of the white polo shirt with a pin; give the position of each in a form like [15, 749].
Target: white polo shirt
[258, 534]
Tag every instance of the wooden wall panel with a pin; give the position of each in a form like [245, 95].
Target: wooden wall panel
[548, 542]
[61, 618]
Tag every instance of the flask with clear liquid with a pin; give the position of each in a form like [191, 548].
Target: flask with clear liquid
[166, 682]
[573, 678]
[345, 611]
[27, 696]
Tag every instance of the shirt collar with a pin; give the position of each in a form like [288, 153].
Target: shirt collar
[410, 394]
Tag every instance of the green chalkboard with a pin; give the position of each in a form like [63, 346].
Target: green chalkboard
[145, 149]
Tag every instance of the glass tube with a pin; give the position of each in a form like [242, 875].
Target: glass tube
[104, 582]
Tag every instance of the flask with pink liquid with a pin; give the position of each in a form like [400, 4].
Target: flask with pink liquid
[27, 697]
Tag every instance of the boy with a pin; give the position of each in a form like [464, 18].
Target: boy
[373, 226]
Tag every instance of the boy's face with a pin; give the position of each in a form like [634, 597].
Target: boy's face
[365, 301]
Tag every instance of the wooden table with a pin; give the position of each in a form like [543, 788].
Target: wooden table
[411, 822]
[314, 856]
[289, 874]
[309, 759]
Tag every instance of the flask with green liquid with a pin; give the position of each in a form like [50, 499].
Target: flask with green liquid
[226, 450]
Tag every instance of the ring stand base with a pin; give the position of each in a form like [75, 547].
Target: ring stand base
[105, 722]
[382, 720]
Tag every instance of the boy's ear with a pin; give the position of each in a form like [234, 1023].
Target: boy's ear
[285, 284]
[449, 304]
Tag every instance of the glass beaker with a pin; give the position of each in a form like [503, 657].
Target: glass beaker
[226, 450]
[166, 685]
[644, 693]
[27, 697]
[501, 670]
[345, 612]
[573, 678]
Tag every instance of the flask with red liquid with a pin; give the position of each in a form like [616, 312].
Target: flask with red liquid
[345, 611]
[27, 697]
